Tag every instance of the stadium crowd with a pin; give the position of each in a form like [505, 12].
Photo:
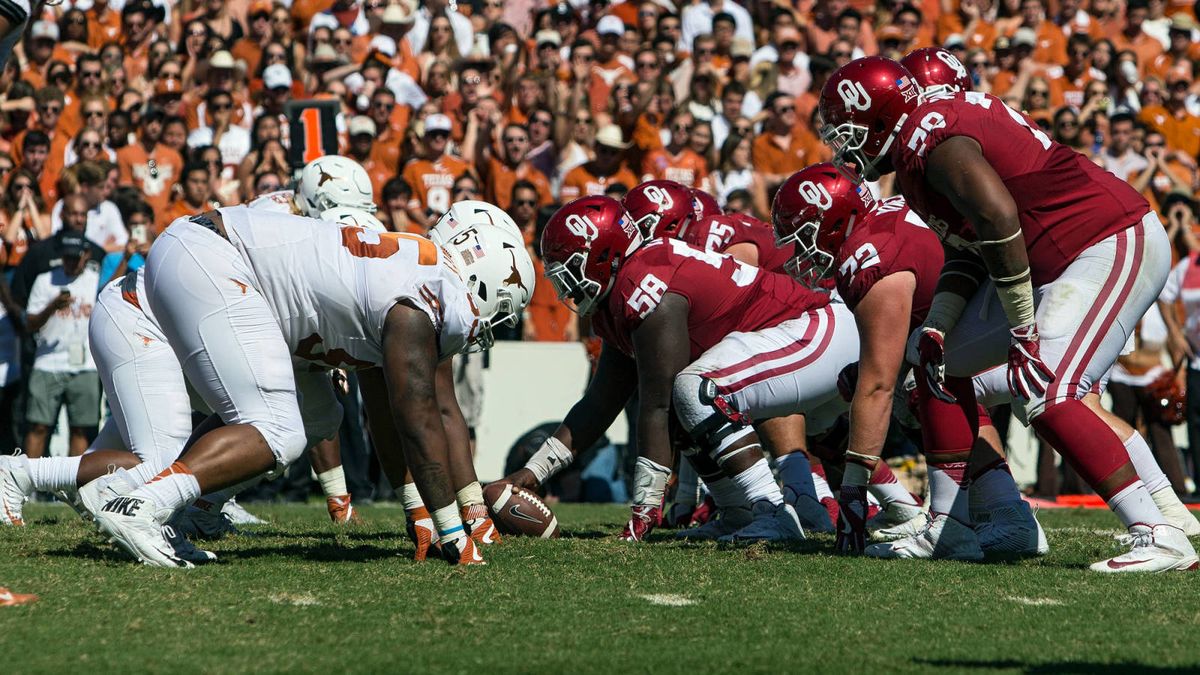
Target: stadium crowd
[119, 117]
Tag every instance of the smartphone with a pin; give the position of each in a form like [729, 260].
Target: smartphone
[138, 234]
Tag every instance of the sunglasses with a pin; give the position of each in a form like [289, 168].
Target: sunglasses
[585, 57]
[90, 73]
[222, 106]
[785, 109]
[515, 139]
[94, 145]
[438, 134]
[269, 187]
[384, 105]
[52, 109]
[346, 41]
[525, 202]
[583, 120]
[647, 64]
[465, 191]
[841, 55]
[705, 51]
[1039, 92]
[94, 113]
[681, 127]
[790, 46]
[1068, 123]
[22, 186]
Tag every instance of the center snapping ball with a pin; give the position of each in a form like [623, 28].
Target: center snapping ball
[516, 510]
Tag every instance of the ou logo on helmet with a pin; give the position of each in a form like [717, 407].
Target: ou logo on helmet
[659, 196]
[816, 195]
[582, 226]
[854, 95]
[953, 62]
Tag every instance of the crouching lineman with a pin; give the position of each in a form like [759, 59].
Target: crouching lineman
[646, 302]
[243, 298]
[1073, 255]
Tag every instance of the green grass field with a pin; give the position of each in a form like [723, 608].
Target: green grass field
[298, 596]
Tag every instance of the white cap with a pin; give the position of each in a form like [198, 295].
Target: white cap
[1024, 36]
[361, 124]
[437, 122]
[384, 45]
[221, 59]
[954, 39]
[402, 13]
[551, 36]
[610, 136]
[44, 29]
[610, 25]
[277, 75]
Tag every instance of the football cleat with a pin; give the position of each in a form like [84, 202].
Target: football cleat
[341, 510]
[419, 526]
[703, 513]
[239, 515]
[893, 514]
[1012, 529]
[197, 523]
[642, 521]
[133, 524]
[723, 522]
[909, 528]
[770, 522]
[813, 515]
[1161, 548]
[10, 599]
[15, 488]
[1175, 512]
[462, 551]
[95, 494]
[186, 550]
[943, 538]
[479, 525]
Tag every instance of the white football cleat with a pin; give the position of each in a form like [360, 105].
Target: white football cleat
[15, 488]
[1175, 512]
[725, 522]
[943, 539]
[813, 515]
[1161, 548]
[893, 514]
[1012, 530]
[133, 525]
[200, 524]
[909, 528]
[770, 522]
[240, 516]
[95, 494]
[186, 550]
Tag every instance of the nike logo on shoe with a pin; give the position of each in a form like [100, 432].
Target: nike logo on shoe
[1114, 565]
[125, 506]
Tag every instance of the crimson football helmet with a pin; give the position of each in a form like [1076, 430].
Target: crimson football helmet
[583, 245]
[815, 210]
[705, 205]
[660, 208]
[937, 71]
[863, 105]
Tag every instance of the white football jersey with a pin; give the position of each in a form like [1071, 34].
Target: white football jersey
[331, 287]
[281, 201]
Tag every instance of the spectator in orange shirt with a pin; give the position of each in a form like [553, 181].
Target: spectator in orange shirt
[611, 64]
[432, 176]
[1132, 36]
[1180, 127]
[1168, 171]
[196, 198]
[150, 166]
[1069, 82]
[970, 22]
[784, 146]
[499, 174]
[1180, 48]
[677, 161]
[386, 151]
[595, 177]
[89, 78]
[104, 24]
[1051, 45]
[39, 49]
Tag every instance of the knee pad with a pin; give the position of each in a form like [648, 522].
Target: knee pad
[709, 418]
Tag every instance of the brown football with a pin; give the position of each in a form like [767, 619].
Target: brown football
[519, 511]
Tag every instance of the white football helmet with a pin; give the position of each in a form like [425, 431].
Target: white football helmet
[498, 272]
[344, 215]
[332, 181]
[471, 213]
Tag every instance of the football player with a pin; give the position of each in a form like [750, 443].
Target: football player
[886, 262]
[938, 72]
[247, 299]
[1037, 229]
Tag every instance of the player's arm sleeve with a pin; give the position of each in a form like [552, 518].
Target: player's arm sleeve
[958, 170]
[962, 274]
[661, 347]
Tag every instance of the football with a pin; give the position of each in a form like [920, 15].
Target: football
[519, 511]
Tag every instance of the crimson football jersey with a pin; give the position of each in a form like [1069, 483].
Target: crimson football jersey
[1066, 202]
[724, 295]
[890, 239]
[718, 233]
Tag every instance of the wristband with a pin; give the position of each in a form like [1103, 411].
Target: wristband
[549, 459]
[1016, 297]
[945, 311]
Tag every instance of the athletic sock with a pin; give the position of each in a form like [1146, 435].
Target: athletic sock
[144, 473]
[172, 489]
[1134, 505]
[448, 524]
[948, 490]
[51, 474]
[411, 498]
[886, 488]
[820, 484]
[796, 474]
[758, 483]
[726, 494]
[333, 482]
[1144, 463]
[470, 495]
[687, 488]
